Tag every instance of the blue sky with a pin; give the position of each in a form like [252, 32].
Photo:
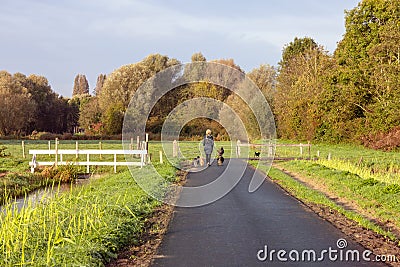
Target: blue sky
[59, 39]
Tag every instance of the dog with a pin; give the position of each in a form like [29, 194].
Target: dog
[257, 154]
[220, 158]
[196, 161]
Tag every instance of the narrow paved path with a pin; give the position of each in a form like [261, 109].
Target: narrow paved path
[232, 230]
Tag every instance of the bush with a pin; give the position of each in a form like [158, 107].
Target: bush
[66, 136]
[63, 173]
[383, 141]
[45, 136]
[9, 137]
[3, 153]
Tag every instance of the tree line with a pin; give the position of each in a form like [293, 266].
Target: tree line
[353, 94]
[350, 95]
[28, 104]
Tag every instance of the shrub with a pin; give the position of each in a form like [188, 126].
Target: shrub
[3, 153]
[66, 136]
[45, 136]
[383, 141]
[63, 173]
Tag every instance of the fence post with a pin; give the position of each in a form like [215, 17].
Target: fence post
[49, 147]
[23, 149]
[137, 142]
[309, 150]
[143, 146]
[318, 153]
[161, 157]
[77, 148]
[56, 149]
[115, 163]
[100, 147]
[147, 147]
[270, 149]
[329, 156]
[87, 163]
[33, 166]
[238, 149]
[175, 149]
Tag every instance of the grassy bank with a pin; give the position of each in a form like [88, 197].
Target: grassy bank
[16, 185]
[309, 195]
[366, 163]
[84, 227]
[378, 199]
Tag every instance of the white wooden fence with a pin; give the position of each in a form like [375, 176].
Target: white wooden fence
[60, 152]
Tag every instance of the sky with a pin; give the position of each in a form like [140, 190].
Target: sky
[59, 39]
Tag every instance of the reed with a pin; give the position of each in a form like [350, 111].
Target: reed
[85, 226]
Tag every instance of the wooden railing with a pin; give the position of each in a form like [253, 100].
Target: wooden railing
[60, 152]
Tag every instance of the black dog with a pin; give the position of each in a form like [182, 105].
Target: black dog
[220, 157]
[257, 154]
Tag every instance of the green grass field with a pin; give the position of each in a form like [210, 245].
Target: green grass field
[367, 163]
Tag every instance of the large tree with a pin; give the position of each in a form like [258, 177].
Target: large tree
[81, 85]
[16, 104]
[198, 57]
[265, 78]
[99, 84]
[368, 57]
[301, 84]
[299, 46]
[46, 100]
[120, 86]
[90, 115]
[47, 110]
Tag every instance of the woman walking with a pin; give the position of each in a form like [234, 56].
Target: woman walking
[208, 143]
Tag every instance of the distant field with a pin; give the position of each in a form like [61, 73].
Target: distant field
[381, 165]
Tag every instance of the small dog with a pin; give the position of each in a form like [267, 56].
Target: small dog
[220, 157]
[257, 154]
[196, 161]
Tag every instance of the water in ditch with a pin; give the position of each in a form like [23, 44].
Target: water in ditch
[42, 195]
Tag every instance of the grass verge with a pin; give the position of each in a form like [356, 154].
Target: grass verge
[379, 200]
[308, 195]
[84, 227]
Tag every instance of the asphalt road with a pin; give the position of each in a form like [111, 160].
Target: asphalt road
[239, 228]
